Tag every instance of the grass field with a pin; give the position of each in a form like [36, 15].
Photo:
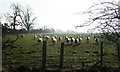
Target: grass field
[27, 52]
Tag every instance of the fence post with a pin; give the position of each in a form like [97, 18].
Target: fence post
[61, 55]
[118, 54]
[44, 55]
[101, 55]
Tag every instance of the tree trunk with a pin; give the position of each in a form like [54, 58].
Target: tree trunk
[28, 29]
[14, 21]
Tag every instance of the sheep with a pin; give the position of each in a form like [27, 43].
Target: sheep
[87, 39]
[60, 38]
[55, 36]
[40, 35]
[35, 36]
[47, 37]
[40, 40]
[80, 39]
[54, 40]
[72, 40]
[76, 40]
[67, 39]
[96, 40]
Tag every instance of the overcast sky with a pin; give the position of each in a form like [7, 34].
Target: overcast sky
[59, 14]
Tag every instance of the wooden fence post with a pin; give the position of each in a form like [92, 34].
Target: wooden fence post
[118, 54]
[101, 55]
[61, 56]
[44, 55]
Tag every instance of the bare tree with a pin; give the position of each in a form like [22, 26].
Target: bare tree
[28, 18]
[16, 12]
[106, 17]
[12, 22]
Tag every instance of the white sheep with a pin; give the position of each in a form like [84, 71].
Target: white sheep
[35, 36]
[55, 36]
[47, 37]
[76, 40]
[96, 40]
[40, 35]
[54, 40]
[67, 39]
[40, 40]
[80, 39]
[87, 39]
[72, 40]
[60, 38]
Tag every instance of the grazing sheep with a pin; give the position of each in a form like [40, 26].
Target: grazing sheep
[47, 37]
[72, 40]
[60, 38]
[40, 40]
[55, 36]
[35, 36]
[87, 39]
[76, 40]
[67, 39]
[54, 40]
[96, 40]
[40, 35]
[80, 39]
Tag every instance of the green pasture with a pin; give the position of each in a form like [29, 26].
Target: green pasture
[27, 52]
